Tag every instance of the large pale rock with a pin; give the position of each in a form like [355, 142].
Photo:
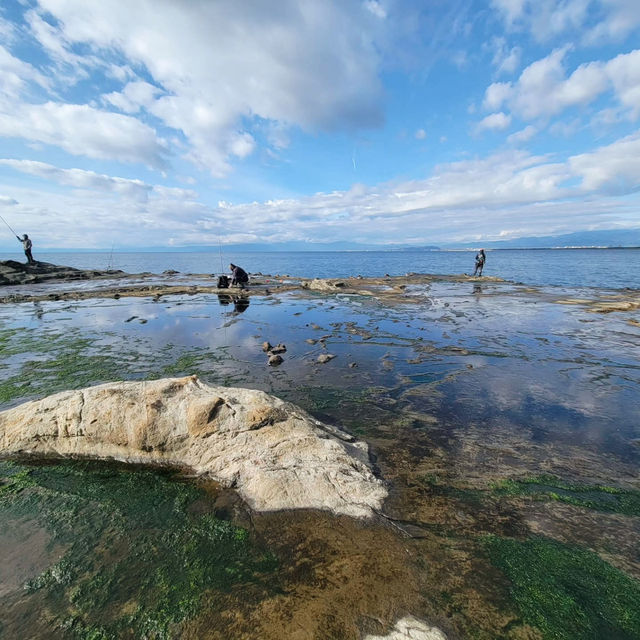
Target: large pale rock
[409, 628]
[274, 454]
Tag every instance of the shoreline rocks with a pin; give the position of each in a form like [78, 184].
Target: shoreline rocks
[13, 272]
[273, 453]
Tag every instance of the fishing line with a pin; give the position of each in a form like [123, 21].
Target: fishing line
[10, 229]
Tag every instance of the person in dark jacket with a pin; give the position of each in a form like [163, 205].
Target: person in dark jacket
[26, 245]
[480, 260]
[238, 276]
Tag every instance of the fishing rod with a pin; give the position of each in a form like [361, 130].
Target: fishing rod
[10, 229]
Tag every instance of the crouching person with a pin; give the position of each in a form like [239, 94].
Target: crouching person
[239, 276]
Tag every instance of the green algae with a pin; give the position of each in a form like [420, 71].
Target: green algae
[597, 497]
[138, 558]
[566, 592]
[54, 362]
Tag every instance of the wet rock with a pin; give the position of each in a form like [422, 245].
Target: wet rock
[275, 454]
[131, 319]
[170, 272]
[353, 365]
[275, 360]
[13, 272]
[325, 357]
[310, 341]
[266, 346]
[279, 348]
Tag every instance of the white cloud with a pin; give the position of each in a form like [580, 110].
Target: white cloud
[16, 74]
[622, 17]
[536, 191]
[376, 8]
[524, 135]
[544, 89]
[83, 130]
[546, 19]
[495, 122]
[496, 95]
[221, 66]
[135, 96]
[613, 169]
[80, 178]
[420, 134]
[506, 59]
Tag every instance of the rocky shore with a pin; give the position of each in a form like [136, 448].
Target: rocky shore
[16, 273]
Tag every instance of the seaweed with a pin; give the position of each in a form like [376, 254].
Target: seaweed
[137, 560]
[597, 497]
[566, 592]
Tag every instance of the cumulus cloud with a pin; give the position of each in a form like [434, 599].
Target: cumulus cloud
[218, 69]
[508, 186]
[84, 130]
[495, 122]
[544, 89]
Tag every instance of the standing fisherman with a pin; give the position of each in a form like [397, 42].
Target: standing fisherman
[27, 244]
[480, 260]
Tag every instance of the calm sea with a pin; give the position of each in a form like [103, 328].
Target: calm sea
[605, 268]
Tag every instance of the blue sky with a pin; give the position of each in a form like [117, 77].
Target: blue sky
[192, 122]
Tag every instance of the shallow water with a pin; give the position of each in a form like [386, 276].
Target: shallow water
[457, 389]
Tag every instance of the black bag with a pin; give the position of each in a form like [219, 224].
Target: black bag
[223, 282]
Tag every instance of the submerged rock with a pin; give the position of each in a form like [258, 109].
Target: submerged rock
[273, 453]
[325, 357]
[275, 360]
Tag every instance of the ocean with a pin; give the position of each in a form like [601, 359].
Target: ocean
[602, 268]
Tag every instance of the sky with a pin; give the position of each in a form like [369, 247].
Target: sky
[172, 123]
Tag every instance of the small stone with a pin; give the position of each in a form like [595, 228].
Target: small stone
[310, 341]
[275, 360]
[266, 346]
[279, 348]
[131, 318]
[353, 365]
[325, 357]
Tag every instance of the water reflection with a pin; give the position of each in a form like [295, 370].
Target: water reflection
[240, 303]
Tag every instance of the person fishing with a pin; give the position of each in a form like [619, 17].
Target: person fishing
[26, 245]
[480, 260]
[238, 276]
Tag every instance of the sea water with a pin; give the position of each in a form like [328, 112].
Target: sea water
[604, 268]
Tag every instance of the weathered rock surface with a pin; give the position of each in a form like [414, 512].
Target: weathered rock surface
[410, 628]
[318, 284]
[13, 272]
[273, 453]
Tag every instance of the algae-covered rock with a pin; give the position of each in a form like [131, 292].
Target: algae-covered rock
[274, 454]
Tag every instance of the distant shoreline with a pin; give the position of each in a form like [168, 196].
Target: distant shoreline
[215, 250]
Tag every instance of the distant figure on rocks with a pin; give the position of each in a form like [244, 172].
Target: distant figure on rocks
[238, 276]
[26, 245]
[480, 260]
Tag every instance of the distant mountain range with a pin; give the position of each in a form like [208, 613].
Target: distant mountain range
[606, 238]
